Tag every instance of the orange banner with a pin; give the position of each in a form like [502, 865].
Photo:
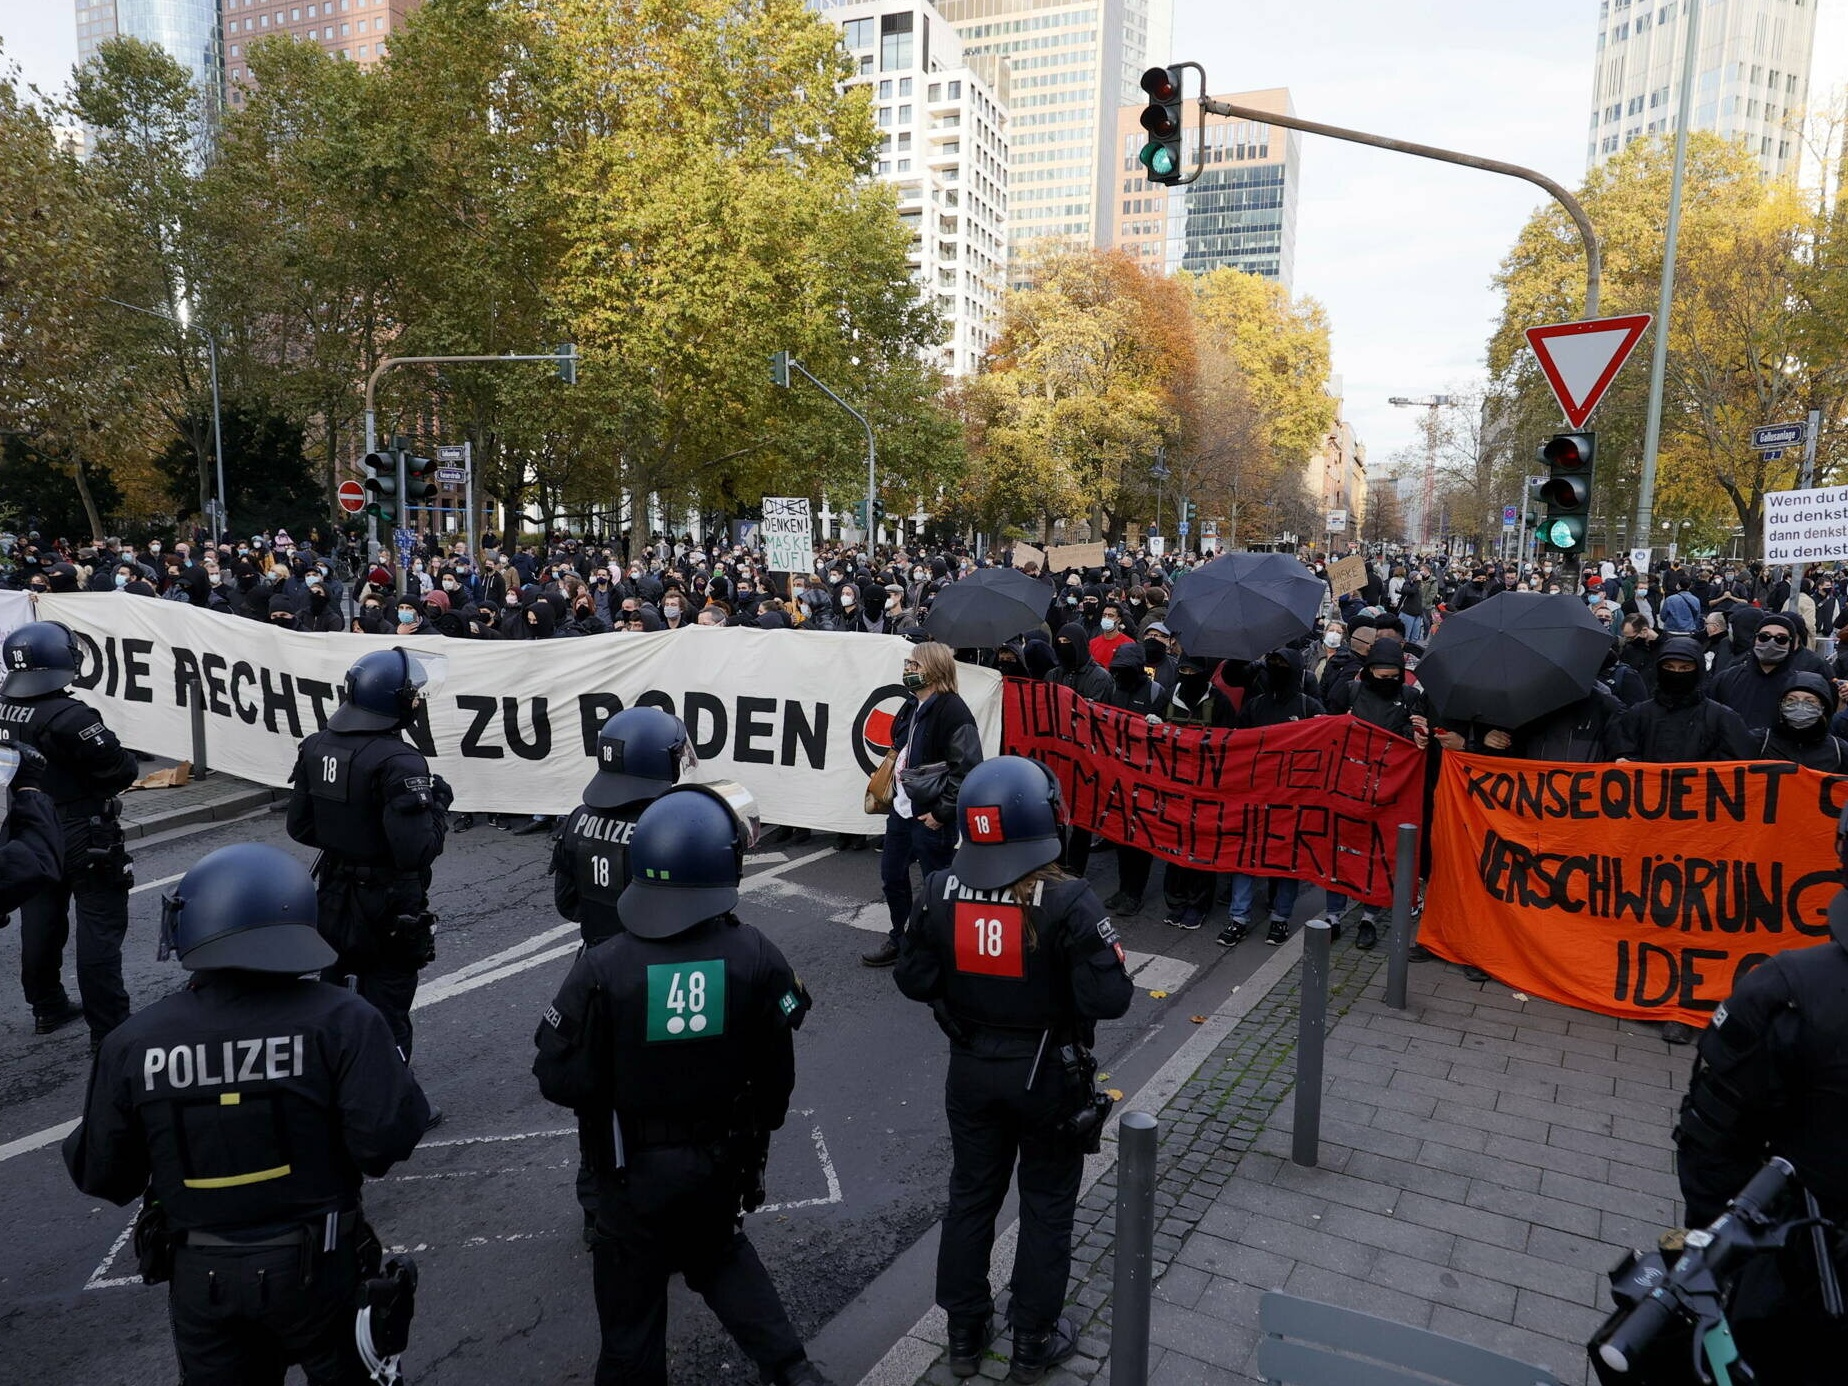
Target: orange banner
[1640, 891]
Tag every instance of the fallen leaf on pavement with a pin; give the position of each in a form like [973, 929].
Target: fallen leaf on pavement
[1197, 1019]
[1159, 995]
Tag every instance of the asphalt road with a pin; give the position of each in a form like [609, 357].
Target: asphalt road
[856, 1175]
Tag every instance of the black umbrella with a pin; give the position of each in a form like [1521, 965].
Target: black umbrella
[1244, 605]
[987, 609]
[1514, 658]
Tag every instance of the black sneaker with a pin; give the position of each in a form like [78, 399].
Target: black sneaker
[1366, 936]
[538, 824]
[49, 1022]
[1035, 1354]
[1674, 1032]
[1121, 903]
[462, 822]
[969, 1343]
[1279, 932]
[1233, 934]
[883, 956]
[1186, 919]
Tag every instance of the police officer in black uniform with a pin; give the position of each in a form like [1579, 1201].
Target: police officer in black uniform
[1018, 962]
[244, 1112]
[1772, 1079]
[369, 801]
[673, 1041]
[31, 842]
[641, 753]
[86, 767]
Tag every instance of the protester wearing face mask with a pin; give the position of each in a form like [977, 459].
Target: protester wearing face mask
[1753, 686]
[410, 618]
[674, 610]
[1344, 663]
[1801, 732]
[1679, 723]
[1110, 636]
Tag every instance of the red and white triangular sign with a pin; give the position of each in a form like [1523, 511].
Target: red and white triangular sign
[1581, 359]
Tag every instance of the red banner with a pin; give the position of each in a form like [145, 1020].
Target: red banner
[1317, 800]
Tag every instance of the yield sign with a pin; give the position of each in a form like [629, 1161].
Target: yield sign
[352, 497]
[1581, 359]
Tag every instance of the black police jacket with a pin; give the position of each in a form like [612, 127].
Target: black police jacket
[31, 848]
[1007, 972]
[246, 1102]
[690, 1035]
[1773, 1080]
[85, 764]
[368, 799]
[590, 867]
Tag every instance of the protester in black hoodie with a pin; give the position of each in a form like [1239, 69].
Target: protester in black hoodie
[1135, 692]
[1382, 697]
[1680, 722]
[1800, 733]
[1076, 669]
[1753, 685]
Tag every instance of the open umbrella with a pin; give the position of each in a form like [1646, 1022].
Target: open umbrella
[1513, 658]
[1244, 605]
[987, 609]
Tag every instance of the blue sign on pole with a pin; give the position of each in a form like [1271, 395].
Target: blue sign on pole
[1509, 515]
[1779, 436]
[1183, 527]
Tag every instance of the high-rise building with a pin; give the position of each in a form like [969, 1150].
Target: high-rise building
[943, 144]
[1337, 470]
[1241, 212]
[1073, 63]
[1752, 82]
[356, 30]
[187, 29]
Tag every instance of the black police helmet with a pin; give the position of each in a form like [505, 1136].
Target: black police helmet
[381, 691]
[686, 858]
[641, 753]
[1012, 817]
[40, 657]
[247, 906]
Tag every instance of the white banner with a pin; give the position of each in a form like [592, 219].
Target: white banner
[788, 535]
[15, 611]
[800, 718]
[1806, 526]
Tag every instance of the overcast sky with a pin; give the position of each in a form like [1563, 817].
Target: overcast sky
[1399, 250]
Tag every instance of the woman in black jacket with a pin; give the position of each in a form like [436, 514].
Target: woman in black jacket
[937, 745]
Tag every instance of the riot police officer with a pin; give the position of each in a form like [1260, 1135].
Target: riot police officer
[1018, 962]
[641, 753]
[370, 802]
[244, 1112]
[1772, 1079]
[31, 842]
[673, 1041]
[86, 767]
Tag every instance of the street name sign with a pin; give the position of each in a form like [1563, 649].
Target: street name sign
[1581, 359]
[1772, 436]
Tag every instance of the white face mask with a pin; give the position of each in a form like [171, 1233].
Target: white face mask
[1108, 624]
[670, 610]
[1332, 640]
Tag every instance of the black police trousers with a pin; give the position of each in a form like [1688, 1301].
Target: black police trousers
[679, 1212]
[102, 923]
[390, 990]
[242, 1315]
[994, 1123]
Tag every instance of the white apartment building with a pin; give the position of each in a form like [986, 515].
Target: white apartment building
[1072, 64]
[943, 127]
[1751, 84]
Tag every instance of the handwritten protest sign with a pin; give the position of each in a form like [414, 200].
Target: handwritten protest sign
[1347, 575]
[1317, 800]
[1064, 556]
[1641, 891]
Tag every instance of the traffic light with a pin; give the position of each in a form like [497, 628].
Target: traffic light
[566, 353]
[1163, 119]
[1569, 458]
[419, 481]
[382, 485]
[878, 511]
[779, 368]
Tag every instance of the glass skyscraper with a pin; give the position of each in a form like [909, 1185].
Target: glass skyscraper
[187, 29]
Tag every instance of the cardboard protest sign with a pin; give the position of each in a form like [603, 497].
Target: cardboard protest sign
[1063, 556]
[1318, 800]
[1024, 554]
[1639, 891]
[1347, 575]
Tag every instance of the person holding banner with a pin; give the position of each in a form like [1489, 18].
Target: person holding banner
[1680, 723]
[370, 802]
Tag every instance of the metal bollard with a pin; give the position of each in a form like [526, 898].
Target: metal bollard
[1135, 1250]
[1311, 1031]
[1404, 891]
[195, 697]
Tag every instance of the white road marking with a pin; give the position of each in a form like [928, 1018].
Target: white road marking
[38, 1140]
[97, 1280]
[156, 885]
[1153, 972]
[484, 1140]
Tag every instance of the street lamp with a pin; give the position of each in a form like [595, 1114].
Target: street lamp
[223, 527]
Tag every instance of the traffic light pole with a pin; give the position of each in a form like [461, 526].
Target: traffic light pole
[372, 433]
[872, 465]
[1594, 264]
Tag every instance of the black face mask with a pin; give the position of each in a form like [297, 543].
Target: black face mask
[1154, 651]
[1386, 685]
[1009, 668]
[1281, 676]
[1192, 683]
[1071, 658]
[1676, 682]
[1128, 679]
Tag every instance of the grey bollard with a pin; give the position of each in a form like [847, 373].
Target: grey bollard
[1404, 892]
[195, 697]
[1135, 1250]
[1311, 1031]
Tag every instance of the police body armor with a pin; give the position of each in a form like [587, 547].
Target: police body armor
[1006, 986]
[343, 773]
[591, 867]
[88, 813]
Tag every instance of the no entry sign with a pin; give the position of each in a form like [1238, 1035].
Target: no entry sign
[352, 497]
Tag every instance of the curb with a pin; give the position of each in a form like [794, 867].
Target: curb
[232, 804]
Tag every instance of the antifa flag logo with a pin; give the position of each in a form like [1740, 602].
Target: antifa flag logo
[872, 727]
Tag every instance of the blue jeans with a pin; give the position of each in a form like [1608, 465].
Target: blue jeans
[908, 840]
[1283, 896]
[1414, 627]
[1338, 904]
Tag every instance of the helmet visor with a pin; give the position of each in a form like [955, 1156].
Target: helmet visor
[428, 672]
[743, 806]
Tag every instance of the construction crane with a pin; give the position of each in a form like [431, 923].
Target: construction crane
[1427, 489]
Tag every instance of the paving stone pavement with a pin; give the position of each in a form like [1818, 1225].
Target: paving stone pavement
[1484, 1161]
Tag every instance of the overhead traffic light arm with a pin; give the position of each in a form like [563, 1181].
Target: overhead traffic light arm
[784, 362]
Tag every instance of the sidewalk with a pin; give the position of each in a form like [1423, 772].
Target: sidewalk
[213, 799]
[1484, 1161]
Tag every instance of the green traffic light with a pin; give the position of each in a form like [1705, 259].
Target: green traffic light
[1565, 533]
[1159, 159]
